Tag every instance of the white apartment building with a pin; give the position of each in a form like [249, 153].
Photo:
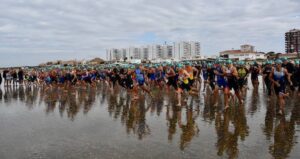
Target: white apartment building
[177, 51]
[134, 53]
[144, 53]
[195, 48]
[167, 52]
[113, 54]
[186, 49]
[117, 54]
[156, 51]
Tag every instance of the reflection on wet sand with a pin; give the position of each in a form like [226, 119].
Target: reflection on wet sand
[282, 130]
[231, 127]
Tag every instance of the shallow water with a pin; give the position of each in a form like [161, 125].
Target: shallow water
[98, 123]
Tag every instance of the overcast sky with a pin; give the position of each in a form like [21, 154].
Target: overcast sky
[35, 31]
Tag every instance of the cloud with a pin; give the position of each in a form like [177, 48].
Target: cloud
[64, 29]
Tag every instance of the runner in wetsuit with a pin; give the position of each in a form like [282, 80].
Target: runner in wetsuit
[255, 70]
[170, 78]
[190, 69]
[159, 77]
[242, 75]
[183, 82]
[210, 76]
[289, 66]
[231, 75]
[140, 79]
[204, 75]
[296, 75]
[219, 72]
[278, 77]
[266, 73]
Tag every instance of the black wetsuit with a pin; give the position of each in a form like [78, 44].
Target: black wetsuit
[254, 73]
[296, 79]
[171, 79]
[266, 72]
[21, 76]
[4, 74]
[290, 69]
[211, 77]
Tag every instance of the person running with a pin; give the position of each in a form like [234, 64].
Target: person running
[21, 76]
[140, 82]
[183, 82]
[255, 70]
[14, 76]
[8, 77]
[242, 75]
[159, 77]
[211, 76]
[278, 76]
[231, 75]
[192, 71]
[266, 73]
[204, 75]
[170, 78]
[219, 72]
[289, 66]
[296, 75]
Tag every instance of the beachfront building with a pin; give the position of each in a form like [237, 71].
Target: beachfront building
[292, 41]
[117, 54]
[135, 53]
[186, 50]
[156, 52]
[195, 48]
[144, 53]
[167, 52]
[246, 52]
[113, 54]
[178, 51]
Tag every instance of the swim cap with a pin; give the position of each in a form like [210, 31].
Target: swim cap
[284, 59]
[179, 65]
[278, 61]
[228, 62]
[269, 62]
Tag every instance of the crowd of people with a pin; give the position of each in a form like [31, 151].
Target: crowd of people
[222, 77]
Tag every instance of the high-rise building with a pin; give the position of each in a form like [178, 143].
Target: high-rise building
[144, 51]
[134, 53]
[195, 48]
[186, 49]
[167, 52]
[178, 51]
[113, 54]
[292, 41]
[156, 51]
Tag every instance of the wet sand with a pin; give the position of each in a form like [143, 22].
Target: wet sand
[98, 123]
